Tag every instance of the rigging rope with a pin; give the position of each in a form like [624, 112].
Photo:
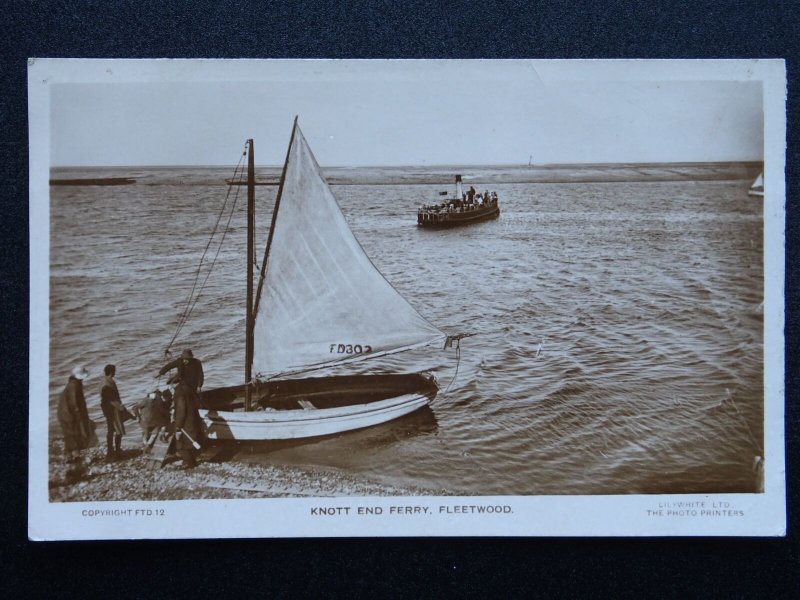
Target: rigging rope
[458, 362]
[192, 299]
[455, 341]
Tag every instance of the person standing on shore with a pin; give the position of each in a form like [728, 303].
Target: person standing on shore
[73, 416]
[188, 427]
[114, 411]
[190, 370]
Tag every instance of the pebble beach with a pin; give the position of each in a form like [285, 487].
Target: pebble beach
[130, 478]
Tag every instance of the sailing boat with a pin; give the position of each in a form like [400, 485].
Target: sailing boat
[757, 189]
[320, 302]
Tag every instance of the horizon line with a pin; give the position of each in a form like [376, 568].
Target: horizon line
[430, 166]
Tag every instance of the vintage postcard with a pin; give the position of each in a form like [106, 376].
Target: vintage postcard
[315, 298]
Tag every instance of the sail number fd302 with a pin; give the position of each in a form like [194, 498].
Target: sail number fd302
[350, 349]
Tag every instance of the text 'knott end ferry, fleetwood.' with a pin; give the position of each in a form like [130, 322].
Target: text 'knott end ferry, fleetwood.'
[466, 207]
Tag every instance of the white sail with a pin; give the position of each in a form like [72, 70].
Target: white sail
[757, 189]
[323, 301]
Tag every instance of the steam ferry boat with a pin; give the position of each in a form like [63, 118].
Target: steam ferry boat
[464, 208]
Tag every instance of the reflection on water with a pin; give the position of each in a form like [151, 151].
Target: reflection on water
[618, 344]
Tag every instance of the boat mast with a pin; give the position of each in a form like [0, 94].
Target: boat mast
[251, 309]
[251, 212]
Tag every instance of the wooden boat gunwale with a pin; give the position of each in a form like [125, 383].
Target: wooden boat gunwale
[309, 420]
[285, 390]
[299, 424]
[310, 415]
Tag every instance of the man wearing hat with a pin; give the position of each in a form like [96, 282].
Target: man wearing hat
[73, 416]
[114, 412]
[190, 370]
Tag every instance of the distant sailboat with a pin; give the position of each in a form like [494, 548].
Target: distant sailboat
[757, 189]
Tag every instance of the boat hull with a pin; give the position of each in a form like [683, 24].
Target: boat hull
[446, 220]
[316, 407]
[287, 425]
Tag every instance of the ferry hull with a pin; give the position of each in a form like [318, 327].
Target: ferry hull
[458, 219]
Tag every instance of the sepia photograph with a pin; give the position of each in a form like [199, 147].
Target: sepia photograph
[406, 297]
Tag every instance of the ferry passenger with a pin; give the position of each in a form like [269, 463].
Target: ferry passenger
[471, 194]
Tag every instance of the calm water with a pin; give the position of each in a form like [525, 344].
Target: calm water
[613, 320]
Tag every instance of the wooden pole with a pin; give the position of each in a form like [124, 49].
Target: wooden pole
[251, 221]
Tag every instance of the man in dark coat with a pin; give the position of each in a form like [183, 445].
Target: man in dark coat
[188, 424]
[114, 412]
[190, 370]
[73, 416]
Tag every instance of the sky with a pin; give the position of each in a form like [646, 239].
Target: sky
[419, 114]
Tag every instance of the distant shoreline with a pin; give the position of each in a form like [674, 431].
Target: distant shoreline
[421, 175]
[95, 181]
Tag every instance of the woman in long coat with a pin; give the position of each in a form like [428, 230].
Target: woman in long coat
[73, 416]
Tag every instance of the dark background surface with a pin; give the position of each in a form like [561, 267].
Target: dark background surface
[386, 29]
